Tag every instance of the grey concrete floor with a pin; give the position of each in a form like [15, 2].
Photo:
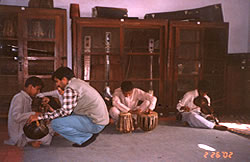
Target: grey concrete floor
[168, 142]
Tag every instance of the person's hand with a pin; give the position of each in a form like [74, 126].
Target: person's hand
[45, 100]
[47, 107]
[185, 109]
[210, 117]
[137, 111]
[149, 111]
[33, 117]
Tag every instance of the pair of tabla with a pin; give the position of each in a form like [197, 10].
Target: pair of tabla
[146, 121]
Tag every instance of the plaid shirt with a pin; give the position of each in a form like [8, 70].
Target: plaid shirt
[69, 102]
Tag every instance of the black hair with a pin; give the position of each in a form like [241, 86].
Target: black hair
[127, 86]
[34, 81]
[63, 72]
[203, 86]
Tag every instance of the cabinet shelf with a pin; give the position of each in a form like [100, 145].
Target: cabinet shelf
[142, 53]
[40, 58]
[100, 54]
[8, 75]
[41, 39]
[8, 38]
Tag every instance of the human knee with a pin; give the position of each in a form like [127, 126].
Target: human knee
[56, 124]
[114, 112]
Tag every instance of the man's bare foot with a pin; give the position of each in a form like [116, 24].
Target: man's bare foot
[36, 144]
[220, 127]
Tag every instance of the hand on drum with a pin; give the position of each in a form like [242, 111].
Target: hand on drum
[210, 117]
[45, 100]
[137, 111]
[185, 109]
[33, 117]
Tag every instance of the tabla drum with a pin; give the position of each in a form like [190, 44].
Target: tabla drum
[125, 123]
[147, 121]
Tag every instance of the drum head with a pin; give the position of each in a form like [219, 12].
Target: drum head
[33, 131]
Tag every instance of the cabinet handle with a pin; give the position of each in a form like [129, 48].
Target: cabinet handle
[20, 63]
[20, 66]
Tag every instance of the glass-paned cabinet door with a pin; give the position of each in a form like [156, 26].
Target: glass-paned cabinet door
[40, 49]
[187, 60]
[215, 42]
[100, 56]
[39, 28]
[142, 57]
[9, 59]
[142, 40]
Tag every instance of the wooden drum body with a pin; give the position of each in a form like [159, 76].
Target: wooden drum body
[147, 121]
[125, 123]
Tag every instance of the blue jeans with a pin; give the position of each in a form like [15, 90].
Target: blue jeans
[76, 128]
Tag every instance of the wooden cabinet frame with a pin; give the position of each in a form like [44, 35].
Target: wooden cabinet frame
[125, 51]
[39, 42]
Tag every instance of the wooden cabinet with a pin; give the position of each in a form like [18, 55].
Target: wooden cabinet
[238, 83]
[166, 57]
[108, 51]
[33, 42]
[197, 51]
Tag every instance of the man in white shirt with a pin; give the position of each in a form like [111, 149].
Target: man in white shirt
[126, 99]
[191, 113]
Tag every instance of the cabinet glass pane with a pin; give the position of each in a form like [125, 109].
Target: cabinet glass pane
[8, 25]
[146, 86]
[215, 34]
[40, 67]
[115, 68]
[38, 28]
[216, 89]
[188, 67]
[189, 35]
[184, 85]
[12, 88]
[142, 40]
[49, 84]
[214, 50]
[215, 40]
[41, 49]
[8, 57]
[188, 51]
[142, 67]
[214, 67]
[97, 67]
[8, 66]
[101, 39]
[8, 48]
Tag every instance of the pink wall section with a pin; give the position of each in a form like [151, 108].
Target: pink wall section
[236, 12]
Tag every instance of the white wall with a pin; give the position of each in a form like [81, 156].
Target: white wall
[236, 12]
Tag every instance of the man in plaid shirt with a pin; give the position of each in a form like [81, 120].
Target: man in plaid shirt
[83, 114]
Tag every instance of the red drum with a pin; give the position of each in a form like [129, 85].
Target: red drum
[125, 123]
[147, 121]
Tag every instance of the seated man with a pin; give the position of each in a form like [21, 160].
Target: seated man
[126, 98]
[191, 113]
[19, 113]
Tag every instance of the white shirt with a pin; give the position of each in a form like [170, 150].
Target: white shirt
[188, 99]
[53, 93]
[19, 112]
[130, 103]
